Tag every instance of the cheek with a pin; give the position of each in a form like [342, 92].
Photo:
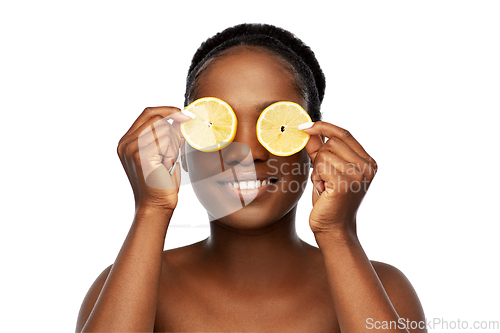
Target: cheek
[295, 171]
[197, 162]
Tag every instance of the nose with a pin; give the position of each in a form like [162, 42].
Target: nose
[245, 148]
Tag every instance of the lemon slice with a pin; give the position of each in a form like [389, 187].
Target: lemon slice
[214, 126]
[277, 128]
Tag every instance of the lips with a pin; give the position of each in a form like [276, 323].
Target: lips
[247, 180]
[248, 186]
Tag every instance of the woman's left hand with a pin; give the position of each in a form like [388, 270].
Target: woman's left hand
[342, 173]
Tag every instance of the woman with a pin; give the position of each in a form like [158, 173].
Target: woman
[253, 273]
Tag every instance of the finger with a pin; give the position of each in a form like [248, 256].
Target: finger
[160, 162]
[342, 150]
[318, 183]
[176, 175]
[329, 130]
[315, 195]
[160, 178]
[159, 125]
[155, 132]
[127, 142]
[147, 132]
[166, 147]
[313, 146]
[177, 126]
[168, 112]
[163, 150]
[328, 165]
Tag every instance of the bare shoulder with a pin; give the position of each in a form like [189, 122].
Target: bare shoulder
[387, 272]
[91, 298]
[172, 260]
[393, 280]
[400, 291]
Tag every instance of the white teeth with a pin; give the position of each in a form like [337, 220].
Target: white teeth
[250, 184]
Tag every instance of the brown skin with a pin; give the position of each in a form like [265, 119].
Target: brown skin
[253, 273]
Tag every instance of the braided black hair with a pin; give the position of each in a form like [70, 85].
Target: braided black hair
[280, 42]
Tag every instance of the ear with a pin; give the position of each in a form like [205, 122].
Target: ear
[183, 157]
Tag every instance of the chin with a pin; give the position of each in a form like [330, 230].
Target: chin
[247, 218]
[260, 214]
[248, 195]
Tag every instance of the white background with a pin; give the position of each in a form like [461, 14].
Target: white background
[417, 83]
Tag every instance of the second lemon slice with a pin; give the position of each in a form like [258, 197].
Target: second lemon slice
[277, 128]
[214, 126]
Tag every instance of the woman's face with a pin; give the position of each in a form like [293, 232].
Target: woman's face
[249, 80]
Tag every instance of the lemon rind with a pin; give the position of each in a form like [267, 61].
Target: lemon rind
[221, 144]
[265, 144]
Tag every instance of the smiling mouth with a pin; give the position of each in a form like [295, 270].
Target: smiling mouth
[250, 184]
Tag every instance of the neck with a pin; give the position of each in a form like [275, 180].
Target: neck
[255, 257]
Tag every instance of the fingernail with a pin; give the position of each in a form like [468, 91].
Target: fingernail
[188, 113]
[305, 126]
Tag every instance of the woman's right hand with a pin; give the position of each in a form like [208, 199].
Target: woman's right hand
[148, 152]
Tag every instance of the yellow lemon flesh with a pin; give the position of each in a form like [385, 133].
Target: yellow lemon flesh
[214, 126]
[277, 128]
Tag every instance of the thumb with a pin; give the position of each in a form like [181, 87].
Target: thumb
[323, 206]
[161, 179]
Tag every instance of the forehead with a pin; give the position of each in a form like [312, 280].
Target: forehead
[248, 78]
